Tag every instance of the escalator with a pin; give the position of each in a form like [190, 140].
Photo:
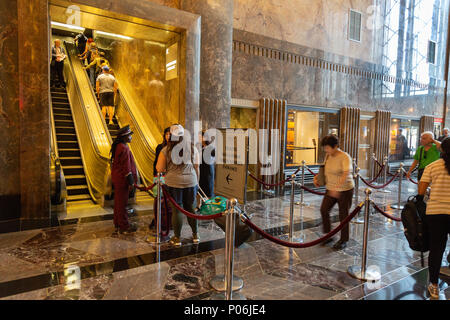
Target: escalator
[68, 148]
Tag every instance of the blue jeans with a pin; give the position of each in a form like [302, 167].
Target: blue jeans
[186, 198]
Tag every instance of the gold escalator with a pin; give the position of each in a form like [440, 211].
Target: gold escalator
[92, 136]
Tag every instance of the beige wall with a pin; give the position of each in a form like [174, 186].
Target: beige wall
[319, 24]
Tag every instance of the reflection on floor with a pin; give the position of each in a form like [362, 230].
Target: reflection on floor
[89, 261]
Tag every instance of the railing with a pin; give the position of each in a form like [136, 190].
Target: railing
[93, 138]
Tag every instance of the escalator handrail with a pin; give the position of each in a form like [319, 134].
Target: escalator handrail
[137, 128]
[91, 134]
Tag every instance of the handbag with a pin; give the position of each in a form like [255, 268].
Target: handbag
[321, 175]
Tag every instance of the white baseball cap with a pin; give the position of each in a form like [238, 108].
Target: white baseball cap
[177, 130]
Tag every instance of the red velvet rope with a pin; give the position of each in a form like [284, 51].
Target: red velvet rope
[379, 187]
[387, 215]
[269, 186]
[410, 179]
[144, 188]
[310, 171]
[378, 162]
[378, 175]
[187, 213]
[312, 191]
[307, 244]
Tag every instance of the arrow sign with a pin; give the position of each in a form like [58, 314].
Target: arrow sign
[228, 179]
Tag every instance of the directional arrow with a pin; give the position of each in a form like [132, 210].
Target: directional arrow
[229, 179]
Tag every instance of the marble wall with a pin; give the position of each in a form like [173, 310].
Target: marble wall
[9, 116]
[144, 64]
[216, 59]
[267, 67]
[318, 24]
[24, 115]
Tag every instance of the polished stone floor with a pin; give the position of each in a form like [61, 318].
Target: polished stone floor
[89, 261]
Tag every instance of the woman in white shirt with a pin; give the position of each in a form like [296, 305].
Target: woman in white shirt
[339, 185]
[438, 212]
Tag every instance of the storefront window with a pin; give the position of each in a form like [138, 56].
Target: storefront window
[404, 139]
[304, 131]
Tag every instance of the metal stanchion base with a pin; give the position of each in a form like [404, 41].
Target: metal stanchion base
[218, 283]
[358, 220]
[371, 275]
[384, 191]
[221, 296]
[304, 204]
[299, 239]
[152, 240]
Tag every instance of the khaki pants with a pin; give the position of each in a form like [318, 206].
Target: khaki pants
[345, 202]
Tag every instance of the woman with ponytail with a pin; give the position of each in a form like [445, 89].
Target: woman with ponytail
[437, 174]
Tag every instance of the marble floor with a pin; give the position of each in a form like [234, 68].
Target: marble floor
[90, 261]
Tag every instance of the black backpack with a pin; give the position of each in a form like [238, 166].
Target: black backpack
[414, 223]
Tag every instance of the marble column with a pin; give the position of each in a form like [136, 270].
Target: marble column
[24, 115]
[216, 59]
[9, 118]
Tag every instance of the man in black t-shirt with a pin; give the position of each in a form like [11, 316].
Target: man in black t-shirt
[80, 41]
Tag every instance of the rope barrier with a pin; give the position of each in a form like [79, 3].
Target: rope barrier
[310, 171]
[313, 191]
[378, 162]
[410, 179]
[269, 186]
[307, 244]
[379, 187]
[378, 175]
[187, 213]
[387, 215]
[144, 188]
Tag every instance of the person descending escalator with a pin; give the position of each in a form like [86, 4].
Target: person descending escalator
[57, 65]
[106, 88]
[124, 176]
[80, 41]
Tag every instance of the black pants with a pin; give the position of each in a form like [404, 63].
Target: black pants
[344, 202]
[57, 74]
[439, 228]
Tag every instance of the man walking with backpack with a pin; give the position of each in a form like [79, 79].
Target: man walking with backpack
[426, 154]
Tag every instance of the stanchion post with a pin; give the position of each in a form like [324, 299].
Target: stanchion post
[158, 239]
[386, 171]
[361, 272]
[229, 255]
[399, 196]
[302, 194]
[358, 219]
[158, 210]
[218, 282]
[291, 208]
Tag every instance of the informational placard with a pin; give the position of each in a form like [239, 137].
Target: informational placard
[231, 174]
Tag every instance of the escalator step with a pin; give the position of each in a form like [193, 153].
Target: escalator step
[62, 116]
[65, 130]
[68, 145]
[69, 152]
[78, 197]
[77, 189]
[67, 161]
[75, 180]
[73, 170]
[65, 111]
[66, 137]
